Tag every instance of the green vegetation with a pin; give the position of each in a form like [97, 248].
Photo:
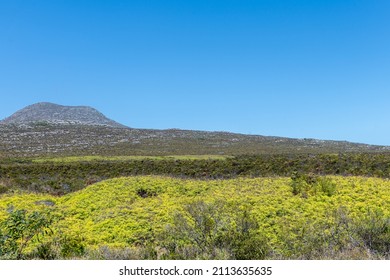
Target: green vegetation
[107, 192]
[321, 206]
[153, 217]
[126, 158]
[69, 140]
[59, 176]
[309, 184]
[19, 229]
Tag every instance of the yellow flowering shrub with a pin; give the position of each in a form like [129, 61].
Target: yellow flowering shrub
[136, 211]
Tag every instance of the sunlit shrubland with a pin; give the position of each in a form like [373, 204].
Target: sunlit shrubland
[162, 217]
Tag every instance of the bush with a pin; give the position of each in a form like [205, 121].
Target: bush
[145, 192]
[326, 186]
[343, 236]
[110, 253]
[20, 229]
[209, 231]
[244, 241]
[310, 184]
[373, 231]
[46, 251]
[71, 247]
[302, 184]
[5, 184]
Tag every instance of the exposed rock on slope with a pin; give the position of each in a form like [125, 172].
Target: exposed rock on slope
[46, 129]
[49, 113]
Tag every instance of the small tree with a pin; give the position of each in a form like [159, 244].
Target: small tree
[19, 229]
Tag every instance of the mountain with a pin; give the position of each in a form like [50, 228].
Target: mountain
[49, 113]
[46, 129]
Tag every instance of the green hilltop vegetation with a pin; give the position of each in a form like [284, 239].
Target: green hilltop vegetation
[159, 217]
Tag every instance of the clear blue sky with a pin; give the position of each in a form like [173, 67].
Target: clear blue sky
[305, 69]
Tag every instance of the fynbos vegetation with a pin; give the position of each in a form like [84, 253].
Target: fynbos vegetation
[76, 185]
[165, 218]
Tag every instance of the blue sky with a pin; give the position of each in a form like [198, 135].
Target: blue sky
[304, 69]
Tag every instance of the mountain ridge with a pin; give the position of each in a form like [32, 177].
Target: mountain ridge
[51, 113]
[46, 129]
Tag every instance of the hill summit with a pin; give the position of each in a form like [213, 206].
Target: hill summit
[47, 129]
[50, 113]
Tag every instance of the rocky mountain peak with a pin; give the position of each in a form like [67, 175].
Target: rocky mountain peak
[50, 113]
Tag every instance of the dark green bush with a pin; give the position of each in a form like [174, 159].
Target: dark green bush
[326, 186]
[46, 251]
[311, 184]
[71, 247]
[145, 192]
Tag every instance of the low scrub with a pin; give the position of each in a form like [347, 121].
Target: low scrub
[148, 217]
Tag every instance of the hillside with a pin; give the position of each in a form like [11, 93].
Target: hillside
[50, 113]
[48, 139]
[84, 186]
[151, 217]
[46, 129]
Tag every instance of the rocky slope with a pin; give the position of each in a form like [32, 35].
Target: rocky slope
[47, 129]
[49, 113]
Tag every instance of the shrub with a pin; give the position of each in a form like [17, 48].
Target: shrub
[343, 236]
[145, 192]
[209, 231]
[326, 186]
[194, 233]
[310, 184]
[20, 229]
[46, 251]
[112, 253]
[302, 184]
[71, 247]
[244, 240]
[373, 231]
